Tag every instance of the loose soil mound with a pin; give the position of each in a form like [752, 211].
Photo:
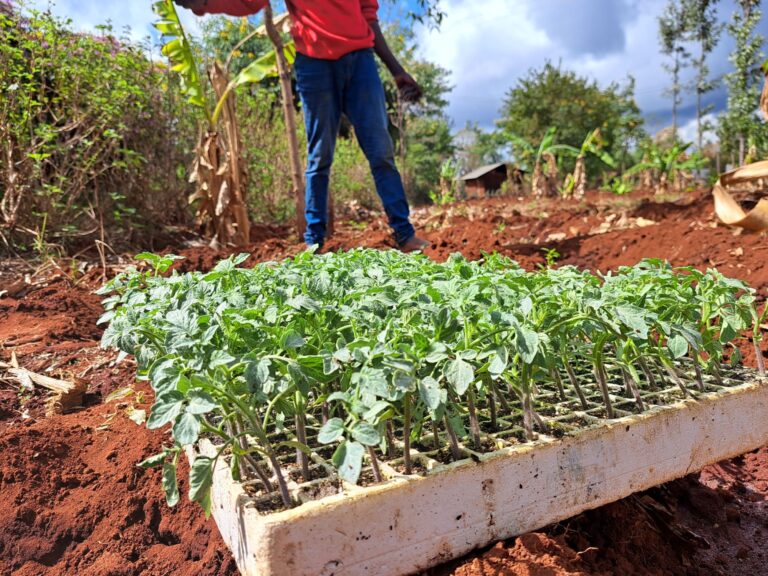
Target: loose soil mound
[73, 501]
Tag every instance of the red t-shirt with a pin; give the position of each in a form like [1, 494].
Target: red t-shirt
[326, 29]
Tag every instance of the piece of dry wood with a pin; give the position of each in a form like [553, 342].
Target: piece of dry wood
[67, 395]
[19, 340]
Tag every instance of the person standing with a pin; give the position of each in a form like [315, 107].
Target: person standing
[336, 74]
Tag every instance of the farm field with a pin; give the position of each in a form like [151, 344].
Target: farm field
[75, 502]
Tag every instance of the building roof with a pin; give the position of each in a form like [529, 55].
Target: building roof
[479, 172]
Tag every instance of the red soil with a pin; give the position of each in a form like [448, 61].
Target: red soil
[73, 501]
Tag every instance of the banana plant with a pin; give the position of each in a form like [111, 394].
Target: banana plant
[218, 170]
[546, 151]
[576, 183]
[180, 52]
[667, 165]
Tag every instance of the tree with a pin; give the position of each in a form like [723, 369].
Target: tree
[703, 28]
[672, 35]
[552, 97]
[475, 147]
[740, 124]
[224, 38]
[426, 12]
[422, 131]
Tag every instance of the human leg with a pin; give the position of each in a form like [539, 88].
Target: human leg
[320, 90]
[365, 105]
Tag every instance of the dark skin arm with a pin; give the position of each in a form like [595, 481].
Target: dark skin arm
[410, 91]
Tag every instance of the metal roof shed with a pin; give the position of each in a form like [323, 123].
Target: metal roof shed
[485, 180]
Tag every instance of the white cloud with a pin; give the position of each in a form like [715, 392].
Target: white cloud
[485, 49]
[489, 45]
[87, 14]
[689, 131]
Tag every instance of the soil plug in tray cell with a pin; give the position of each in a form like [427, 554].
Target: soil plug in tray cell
[378, 413]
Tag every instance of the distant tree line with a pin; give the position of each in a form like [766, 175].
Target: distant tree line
[689, 31]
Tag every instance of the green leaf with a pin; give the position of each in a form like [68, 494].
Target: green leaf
[186, 429]
[331, 431]
[165, 375]
[343, 356]
[678, 346]
[106, 317]
[499, 360]
[166, 409]
[437, 353]
[220, 358]
[299, 377]
[234, 467]
[153, 461]
[264, 66]
[348, 460]
[257, 374]
[633, 318]
[460, 375]
[339, 397]
[200, 402]
[170, 485]
[527, 344]
[153, 259]
[366, 434]
[292, 340]
[403, 382]
[374, 410]
[430, 393]
[200, 482]
[240, 258]
[727, 333]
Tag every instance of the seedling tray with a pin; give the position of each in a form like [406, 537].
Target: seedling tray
[409, 524]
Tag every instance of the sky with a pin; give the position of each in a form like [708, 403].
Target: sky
[489, 44]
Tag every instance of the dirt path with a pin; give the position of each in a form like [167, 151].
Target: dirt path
[73, 501]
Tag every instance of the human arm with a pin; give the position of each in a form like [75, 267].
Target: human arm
[229, 7]
[409, 88]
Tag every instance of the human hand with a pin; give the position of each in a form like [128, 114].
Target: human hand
[410, 91]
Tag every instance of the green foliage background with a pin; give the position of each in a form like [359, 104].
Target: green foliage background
[92, 133]
[553, 97]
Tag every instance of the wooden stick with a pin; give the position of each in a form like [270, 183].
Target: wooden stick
[68, 395]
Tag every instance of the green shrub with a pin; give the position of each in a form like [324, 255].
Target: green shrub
[91, 135]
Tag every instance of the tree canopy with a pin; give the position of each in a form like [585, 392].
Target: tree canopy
[575, 105]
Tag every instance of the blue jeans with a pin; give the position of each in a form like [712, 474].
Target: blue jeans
[350, 85]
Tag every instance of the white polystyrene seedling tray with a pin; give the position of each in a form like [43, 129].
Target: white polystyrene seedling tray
[412, 523]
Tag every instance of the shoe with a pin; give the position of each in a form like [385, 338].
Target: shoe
[414, 244]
